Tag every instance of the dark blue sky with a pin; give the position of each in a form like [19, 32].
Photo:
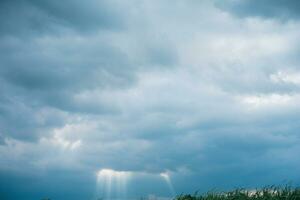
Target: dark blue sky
[123, 99]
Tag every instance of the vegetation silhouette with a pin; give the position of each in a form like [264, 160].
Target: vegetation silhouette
[266, 193]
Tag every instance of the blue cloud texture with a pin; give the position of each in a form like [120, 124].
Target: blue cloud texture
[180, 96]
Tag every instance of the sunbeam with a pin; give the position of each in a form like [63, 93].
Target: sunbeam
[112, 184]
[167, 179]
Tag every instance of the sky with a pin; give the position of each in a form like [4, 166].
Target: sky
[122, 99]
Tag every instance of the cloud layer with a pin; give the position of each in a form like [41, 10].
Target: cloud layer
[207, 92]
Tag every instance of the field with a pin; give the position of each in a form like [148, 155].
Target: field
[268, 193]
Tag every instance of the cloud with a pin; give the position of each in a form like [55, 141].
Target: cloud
[266, 8]
[34, 17]
[147, 87]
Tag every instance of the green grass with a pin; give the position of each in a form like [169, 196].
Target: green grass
[267, 193]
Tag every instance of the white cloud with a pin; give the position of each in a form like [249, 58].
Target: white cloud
[266, 100]
[290, 77]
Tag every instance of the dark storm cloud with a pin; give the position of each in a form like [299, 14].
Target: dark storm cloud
[47, 61]
[33, 77]
[147, 87]
[285, 9]
[93, 15]
[27, 17]
[57, 64]
[43, 186]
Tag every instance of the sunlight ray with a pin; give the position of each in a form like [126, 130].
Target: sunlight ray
[112, 184]
[167, 179]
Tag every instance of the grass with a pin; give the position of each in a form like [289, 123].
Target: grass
[267, 193]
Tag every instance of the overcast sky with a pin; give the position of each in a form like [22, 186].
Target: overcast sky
[161, 97]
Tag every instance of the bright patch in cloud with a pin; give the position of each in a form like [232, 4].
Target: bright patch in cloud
[292, 77]
[111, 182]
[167, 179]
[266, 100]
